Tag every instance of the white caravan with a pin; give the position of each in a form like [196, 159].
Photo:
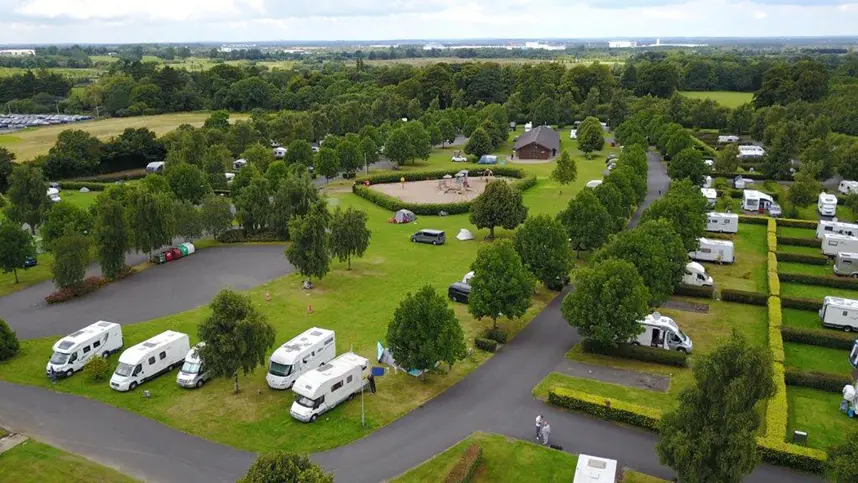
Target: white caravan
[707, 182]
[826, 204]
[593, 183]
[573, 134]
[753, 200]
[148, 360]
[728, 139]
[751, 151]
[591, 469]
[710, 250]
[313, 348]
[824, 227]
[528, 127]
[661, 332]
[846, 187]
[739, 183]
[696, 276]
[73, 351]
[711, 196]
[322, 389]
[832, 244]
[194, 372]
[846, 264]
[839, 313]
[722, 222]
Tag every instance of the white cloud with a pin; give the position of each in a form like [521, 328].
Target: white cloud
[759, 15]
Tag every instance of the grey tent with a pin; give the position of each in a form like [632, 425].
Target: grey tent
[403, 216]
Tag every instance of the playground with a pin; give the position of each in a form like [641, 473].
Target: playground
[450, 189]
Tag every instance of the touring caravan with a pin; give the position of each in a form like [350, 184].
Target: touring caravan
[661, 332]
[753, 200]
[309, 350]
[739, 183]
[711, 197]
[751, 151]
[826, 204]
[696, 276]
[846, 264]
[155, 167]
[710, 250]
[824, 227]
[73, 351]
[846, 187]
[722, 222]
[280, 152]
[590, 469]
[148, 360]
[839, 313]
[238, 164]
[593, 183]
[320, 390]
[728, 139]
[528, 126]
[194, 372]
[832, 244]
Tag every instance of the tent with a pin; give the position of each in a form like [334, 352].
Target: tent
[465, 234]
[385, 357]
[84, 190]
[403, 216]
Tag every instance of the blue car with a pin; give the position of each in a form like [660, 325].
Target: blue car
[488, 159]
[30, 262]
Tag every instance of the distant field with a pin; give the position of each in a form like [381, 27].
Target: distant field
[76, 74]
[29, 143]
[725, 98]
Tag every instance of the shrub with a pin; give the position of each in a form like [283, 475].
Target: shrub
[774, 284]
[772, 263]
[89, 285]
[817, 380]
[802, 258]
[776, 344]
[90, 185]
[753, 220]
[466, 466]
[772, 226]
[799, 242]
[127, 175]
[395, 176]
[743, 297]
[797, 223]
[97, 369]
[776, 409]
[8, 341]
[775, 312]
[837, 282]
[778, 452]
[487, 345]
[820, 337]
[238, 235]
[801, 304]
[636, 352]
[692, 291]
[772, 242]
[605, 408]
[497, 335]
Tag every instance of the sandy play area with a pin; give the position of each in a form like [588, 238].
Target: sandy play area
[435, 191]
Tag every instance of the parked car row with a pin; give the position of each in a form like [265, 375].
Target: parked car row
[173, 253]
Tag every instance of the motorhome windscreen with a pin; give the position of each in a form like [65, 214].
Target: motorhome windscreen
[59, 358]
[65, 344]
[191, 367]
[277, 369]
[124, 369]
[307, 402]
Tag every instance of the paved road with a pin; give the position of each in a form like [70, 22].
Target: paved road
[166, 289]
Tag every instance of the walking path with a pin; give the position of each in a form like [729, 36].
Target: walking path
[623, 377]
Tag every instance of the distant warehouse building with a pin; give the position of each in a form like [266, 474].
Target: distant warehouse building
[622, 44]
[17, 53]
[541, 142]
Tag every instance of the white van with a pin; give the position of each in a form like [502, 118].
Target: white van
[824, 227]
[322, 389]
[194, 372]
[528, 127]
[826, 204]
[710, 250]
[711, 197]
[739, 183]
[591, 469]
[696, 276]
[155, 167]
[751, 151]
[662, 333]
[722, 222]
[313, 348]
[148, 360]
[846, 264]
[832, 244]
[73, 351]
[846, 187]
[839, 313]
[753, 200]
[593, 183]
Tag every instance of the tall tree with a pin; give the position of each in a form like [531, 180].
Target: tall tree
[501, 284]
[716, 419]
[27, 195]
[296, 195]
[258, 155]
[112, 235]
[16, 245]
[327, 163]
[499, 205]
[448, 131]
[398, 147]
[276, 172]
[70, 260]
[61, 217]
[565, 171]
[150, 216]
[237, 336]
[479, 144]
[728, 159]
[7, 159]
[187, 182]
[76, 153]
[216, 214]
[804, 191]
[847, 166]
[214, 163]
[610, 196]
[587, 222]
[688, 164]
[685, 208]
[299, 152]
[309, 251]
[253, 205]
[349, 154]
[282, 467]
[217, 120]
[591, 136]
[544, 248]
[189, 222]
[349, 234]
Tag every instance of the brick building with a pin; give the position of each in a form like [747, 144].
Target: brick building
[541, 142]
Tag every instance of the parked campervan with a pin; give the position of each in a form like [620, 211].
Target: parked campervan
[711, 196]
[320, 390]
[832, 244]
[73, 351]
[753, 200]
[148, 360]
[846, 264]
[155, 167]
[661, 332]
[846, 187]
[696, 276]
[238, 164]
[739, 183]
[722, 222]
[309, 350]
[751, 151]
[194, 372]
[528, 126]
[839, 313]
[728, 139]
[826, 204]
[590, 469]
[824, 227]
[710, 250]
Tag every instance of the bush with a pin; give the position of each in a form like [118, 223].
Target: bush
[90, 185]
[126, 175]
[8, 341]
[772, 242]
[395, 176]
[466, 466]
[636, 352]
[753, 220]
[743, 297]
[772, 226]
[801, 258]
[772, 265]
[605, 408]
[778, 452]
[833, 281]
[238, 235]
[497, 335]
[820, 337]
[692, 291]
[487, 345]
[786, 222]
[801, 304]
[97, 369]
[817, 380]
[775, 313]
[774, 284]
[799, 242]
[89, 285]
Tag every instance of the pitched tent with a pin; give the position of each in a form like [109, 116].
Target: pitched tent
[465, 234]
[403, 216]
[385, 357]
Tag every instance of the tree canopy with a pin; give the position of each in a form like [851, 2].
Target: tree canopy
[499, 205]
[349, 234]
[310, 249]
[587, 222]
[685, 208]
[282, 467]
[544, 248]
[501, 284]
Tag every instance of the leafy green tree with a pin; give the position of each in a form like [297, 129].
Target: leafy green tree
[27, 195]
[241, 135]
[299, 152]
[728, 159]
[155, 183]
[216, 214]
[545, 112]
[499, 205]
[349, 234]
[134, 148]
[70, 260]
[610, 196]
[847, 166]
[420, 145]
[479, 144]
[587, 222]
[688, 164]
[259, 156]
[716, 419]
[296, 195]
[61, 217]
[150, 216]
[368, 150]
[425, 330]
[679, 141]
[112, 235]
[310, 250]
[327, 163]
[187, 182]
[565, 171]
[818, 159]
[349, 155]
[685, 208]
[189, 221]
[398, 147]
[434, 135]
[282, 467]
[842, 463]
[253, 205]
[634, 156]
[15, 246]
[544, 248]
[448, 131]
[591, 136]
[97, 369]
[804, 191]
[8, 341]
[76, 153]
[237, 336]
[243, 179]
[7, 158]
[214, 162]
[609, 300]
[276, 173]
[501, 284]
[217, 120]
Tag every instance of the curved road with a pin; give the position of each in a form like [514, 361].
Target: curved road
[496, 397]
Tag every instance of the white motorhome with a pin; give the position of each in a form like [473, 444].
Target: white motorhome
[839, 313]
[148, 360]
[710, 250]
[728, 139]
[753, 200]
[194, 372]
[722, 222]
[751, 151]
[593, 183]
[73, 351]
[661, 332]
[739, 183]
[320, 390]
[711, 196]
[826, 204]
[528, 127]
[707, 182]
[591, 469]
[846, 187]
[832, 244]
[696, 276]
[238, 164]
[313, 348]
[711, 164]
[279, 152]
[155, 167]
[846, 264]
[573, 134]
[824, 227]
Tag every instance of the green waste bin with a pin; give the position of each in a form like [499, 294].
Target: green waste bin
[184, 249]
[159, 258]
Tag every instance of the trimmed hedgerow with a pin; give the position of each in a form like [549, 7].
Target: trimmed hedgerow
[692, 291]
[743, 297]
[799, 242]
[817, 380]
[497, 335]
[802, 258]
[820, 337]
[792, 223]
[753, 220]
[772, 265]
[396, 176]
[466, 466]
[238, 235]
[781, 453]
[801, 304]
[90, 185]
[772, 242]
[771, 226]
[487, 345]
[606, 408]
[774, 284]
[636, 352]
[776, 408]
[837, 282]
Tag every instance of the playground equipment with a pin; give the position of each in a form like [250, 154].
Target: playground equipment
[460, 185]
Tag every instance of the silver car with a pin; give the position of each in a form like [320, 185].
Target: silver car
[775, 210]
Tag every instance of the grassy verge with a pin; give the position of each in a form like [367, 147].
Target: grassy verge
[635, 477]
[34, 462]
[800, 250]
[817, 359]
[801, 319]
[795, 232]
[642, 397]
[82, 200]
[817, 413]
[749, 270]
[797, 290]
[27, 277]
[805, 268]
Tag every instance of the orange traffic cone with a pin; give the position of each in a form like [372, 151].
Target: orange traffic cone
[309, 308]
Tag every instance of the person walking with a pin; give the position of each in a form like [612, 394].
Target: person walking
[546, 432]
[538, 427]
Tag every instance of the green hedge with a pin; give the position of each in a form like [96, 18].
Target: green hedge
[638, 353]
[801, 304]
[792, 223]
[238, 235]
[743, 297]
[497, 335]
[90, 185]
[799, 242]
[774, 284]
[466, 466]
[487, 345]
[606, 408]
[721, 236]
[753, 176]
[817, 380]
[692, 291]
[772, 242]
[396, 176]
[772, 263]
[753, 220]
[833, 281]
[781, 453]
[820, 337]
[802, 258]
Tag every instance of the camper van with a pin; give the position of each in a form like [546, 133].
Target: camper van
[591, 469]
[528, 126]
[751, 151]
[824, 227]
[661, 332]
[847, 187]
[280, 152]
[73, 351]
[696, 276]
[846, 264]
[707, 182]
[832, 244]
[826, 204]
[722, 222]
[593, 183]
[710, 250]
[320, 390]
[753, 200]
[313, 348]
[728, 139]
[155, 167]
[148, 360]
[194, 372]
[839, 313]
[711, 197]
[739, 183]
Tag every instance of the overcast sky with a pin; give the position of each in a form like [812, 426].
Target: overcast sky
[124, 21]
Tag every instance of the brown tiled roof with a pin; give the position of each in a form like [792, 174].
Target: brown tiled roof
[541, 135]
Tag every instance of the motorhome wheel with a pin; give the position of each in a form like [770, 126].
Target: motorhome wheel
[313, 418]
[132, 386]
[200, 383]
[847, 329]
[682, 349]
[434, 242]
[70, 373]
[854, 275]
[105, 354]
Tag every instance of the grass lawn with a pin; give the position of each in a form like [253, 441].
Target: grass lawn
[817, 359]
[817, 413]
[503, 460]
[811, 213]
[27, 277]
[802, 319]
[748, 272]
[806, 268]
[642, 397]
[82, 200]
[801, 250]
[797, 290]
[34, 462]
[795, 232]
[725, 98]
[635, 477]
